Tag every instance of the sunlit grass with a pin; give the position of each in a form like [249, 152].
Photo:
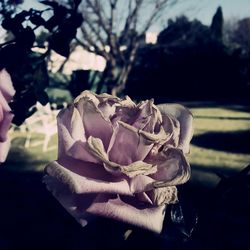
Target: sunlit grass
[207, 162]
[205, 159]
[216, 158]
[32, 158]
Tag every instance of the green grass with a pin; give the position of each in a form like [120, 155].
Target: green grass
[32, 158]
[229, 127]
[220, 120]
[222, 152]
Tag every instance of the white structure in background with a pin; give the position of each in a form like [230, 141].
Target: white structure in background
[43, 121]
[78, 59]
[82, 59]
[151, 37]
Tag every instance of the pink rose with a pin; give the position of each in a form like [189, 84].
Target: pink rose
[6, 93]
[120, 160]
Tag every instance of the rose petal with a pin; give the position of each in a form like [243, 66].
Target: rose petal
[79, 184]
[143, 116]
[141, 183]
[162, 195]
[6, 86]
[71, 202]
[5, 125]
[125, 111]
[173, 170]
[138, 167]
[94, 122]
[144, 190]
[76, 192]
[185, 119]
[71, 136]
[4, 149]
[107, 110]
[104, 102]
[171, 126]
[148, 117]
[128, 211]
[88, 95]
[3, 103]
[127, 145]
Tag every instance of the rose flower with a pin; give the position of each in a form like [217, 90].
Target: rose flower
[6, 93]
[120, 160]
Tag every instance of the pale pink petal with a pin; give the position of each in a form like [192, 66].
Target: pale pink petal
[143, 116]
[5, 125]
[77, 189]
[88, 169]
[141, 183]
[171, 126]
[72, 121]
[108, 110]
[81, 205]
[127, 146]
[94, 122]
[143, 188]
[124, 114]
[3, 103]
[6, 86]
[125, 111]
[128, 210]
[88, 95]
[4, 149]
[104, 102]
[71, 136]
[75, 204]
[185, 119]
[162, 195]
[83, 184]
[172, 168]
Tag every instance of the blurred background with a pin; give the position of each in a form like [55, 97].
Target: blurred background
[194, 52]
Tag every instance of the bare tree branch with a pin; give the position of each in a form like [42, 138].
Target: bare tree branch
[131, 18]
[93, 29]
[107, 24]
[99, 13]
[158, 6]
[89, 45]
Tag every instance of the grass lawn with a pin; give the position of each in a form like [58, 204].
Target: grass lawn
[220, 143]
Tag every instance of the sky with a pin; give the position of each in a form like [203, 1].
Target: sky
[202, 10]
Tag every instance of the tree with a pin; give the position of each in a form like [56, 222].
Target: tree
[241, 34]
[190, 61]
[183, 32]
[217, 24]
[114, 29]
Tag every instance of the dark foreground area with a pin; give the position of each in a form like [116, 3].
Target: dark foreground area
[32, 219]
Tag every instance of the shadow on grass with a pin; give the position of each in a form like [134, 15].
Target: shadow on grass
[234, 142]
[245, 108]
[28, 158]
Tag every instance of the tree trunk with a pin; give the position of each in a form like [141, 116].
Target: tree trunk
[108, 77]
[126, 69]
[121, 82]
[116, 74]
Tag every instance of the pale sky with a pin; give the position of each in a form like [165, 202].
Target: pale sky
[202, 10]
